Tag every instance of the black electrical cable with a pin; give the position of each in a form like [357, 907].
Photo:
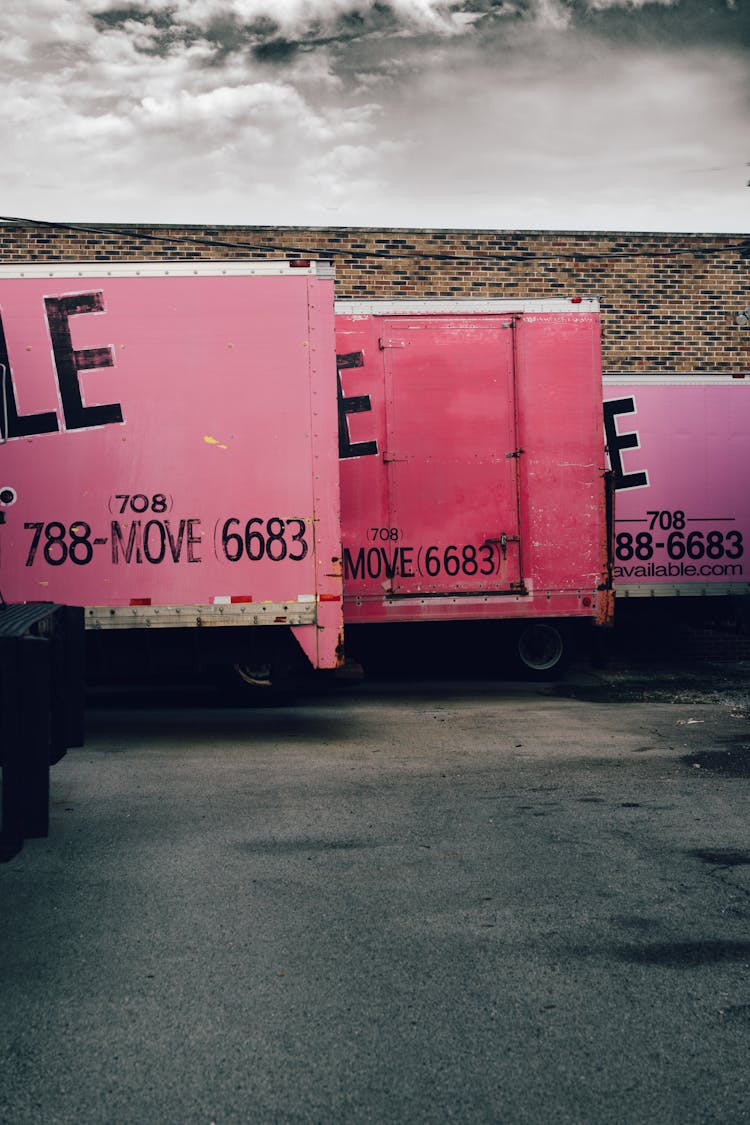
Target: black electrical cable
[348, 252]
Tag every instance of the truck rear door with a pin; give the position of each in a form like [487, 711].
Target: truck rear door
[452, 453]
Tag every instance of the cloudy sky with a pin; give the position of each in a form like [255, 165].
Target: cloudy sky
[558, 114]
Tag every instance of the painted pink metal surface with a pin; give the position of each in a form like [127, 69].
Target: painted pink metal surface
[472, 469]
[171, 440]
[680, 449]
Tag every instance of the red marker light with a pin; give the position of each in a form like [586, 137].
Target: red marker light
[300, 263]
[576, 300]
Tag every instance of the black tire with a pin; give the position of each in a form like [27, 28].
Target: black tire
[542, 650]
[257, 676]
[253, 683]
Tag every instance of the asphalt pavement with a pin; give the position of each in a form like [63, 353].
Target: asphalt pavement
[436, 901]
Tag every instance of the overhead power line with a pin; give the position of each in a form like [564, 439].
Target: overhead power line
[388, 253]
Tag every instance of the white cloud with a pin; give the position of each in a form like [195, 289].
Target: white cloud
[223, 106]
[555, 14]
[650, 140]
[15, 49]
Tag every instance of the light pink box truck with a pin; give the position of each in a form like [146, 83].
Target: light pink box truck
[169, 451]
[679, 447]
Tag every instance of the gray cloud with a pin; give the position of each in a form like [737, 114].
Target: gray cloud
[626, 113]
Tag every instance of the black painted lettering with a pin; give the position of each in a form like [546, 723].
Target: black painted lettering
[19, 425]
[379, 562]
[355, 404]
[193, 541]
[175, 545]
[374, 562]
[617, 442]
[70, 362]
[406, 554]
[154, 541]
[390, 564]
[354, 567]
[131, 551]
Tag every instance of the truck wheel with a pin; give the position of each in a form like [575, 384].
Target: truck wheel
[264, 684]
[542, 651]
[258, 676]
[254, 683]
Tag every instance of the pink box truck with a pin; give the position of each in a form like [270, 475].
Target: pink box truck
[473, 468]
[169, 455]
[679, 447]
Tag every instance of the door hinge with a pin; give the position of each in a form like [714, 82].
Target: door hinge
[514, 453]
[388, 456]
[384, 343]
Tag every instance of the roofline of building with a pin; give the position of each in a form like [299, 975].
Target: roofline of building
[456, 232]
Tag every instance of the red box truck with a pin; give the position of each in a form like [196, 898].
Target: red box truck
[473, 475]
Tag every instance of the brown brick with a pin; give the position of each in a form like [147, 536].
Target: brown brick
[668, 300]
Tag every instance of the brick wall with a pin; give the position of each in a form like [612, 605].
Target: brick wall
[669, 301]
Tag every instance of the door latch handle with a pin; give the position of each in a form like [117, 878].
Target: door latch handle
[502, 540]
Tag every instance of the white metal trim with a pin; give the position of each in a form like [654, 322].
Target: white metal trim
[681, 590]
[397, 306]
[675, 381]
[192, 268]
[205, 616]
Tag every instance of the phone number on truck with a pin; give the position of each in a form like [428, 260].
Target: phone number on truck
[679, 545]
[421, 562]
[158, 541]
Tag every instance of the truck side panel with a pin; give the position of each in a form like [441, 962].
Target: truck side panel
[679, 449]
[563, 468]
[170, 449]
[472, 464]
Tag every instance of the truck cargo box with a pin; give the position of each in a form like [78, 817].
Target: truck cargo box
[169, 445]
[473, 468]
[679, 447]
